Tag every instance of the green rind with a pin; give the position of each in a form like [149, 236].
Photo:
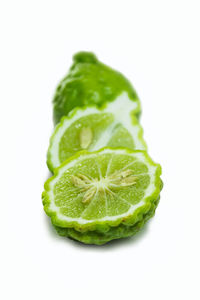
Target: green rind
[100, 225]
[99, 238]
[72, 113]
[90, 82]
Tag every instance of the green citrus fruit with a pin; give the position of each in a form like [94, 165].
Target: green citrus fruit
[101, 190]
[90, 82]
[92, 128]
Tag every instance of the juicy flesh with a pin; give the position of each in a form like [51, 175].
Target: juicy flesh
[105, 185]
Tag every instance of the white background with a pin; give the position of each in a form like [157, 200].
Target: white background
[156, 44]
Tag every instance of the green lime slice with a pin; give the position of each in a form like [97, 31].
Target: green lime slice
[92, 128]
[93, 191]
[90, 82]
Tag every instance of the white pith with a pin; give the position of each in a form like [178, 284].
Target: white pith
[121, 108]
[148, 192]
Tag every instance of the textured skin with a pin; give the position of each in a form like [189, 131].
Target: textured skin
[89, 82]
[99, 238]
[102, 226]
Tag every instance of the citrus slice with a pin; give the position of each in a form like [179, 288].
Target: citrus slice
[91, 128]
[109, 187]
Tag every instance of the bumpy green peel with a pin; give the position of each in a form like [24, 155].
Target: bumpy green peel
[90, 82]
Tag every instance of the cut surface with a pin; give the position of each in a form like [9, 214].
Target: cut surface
[92, 128]
[103, 188]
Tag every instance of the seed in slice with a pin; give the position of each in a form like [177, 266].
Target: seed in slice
[85, 137]
[105, 188]
[92, 128]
